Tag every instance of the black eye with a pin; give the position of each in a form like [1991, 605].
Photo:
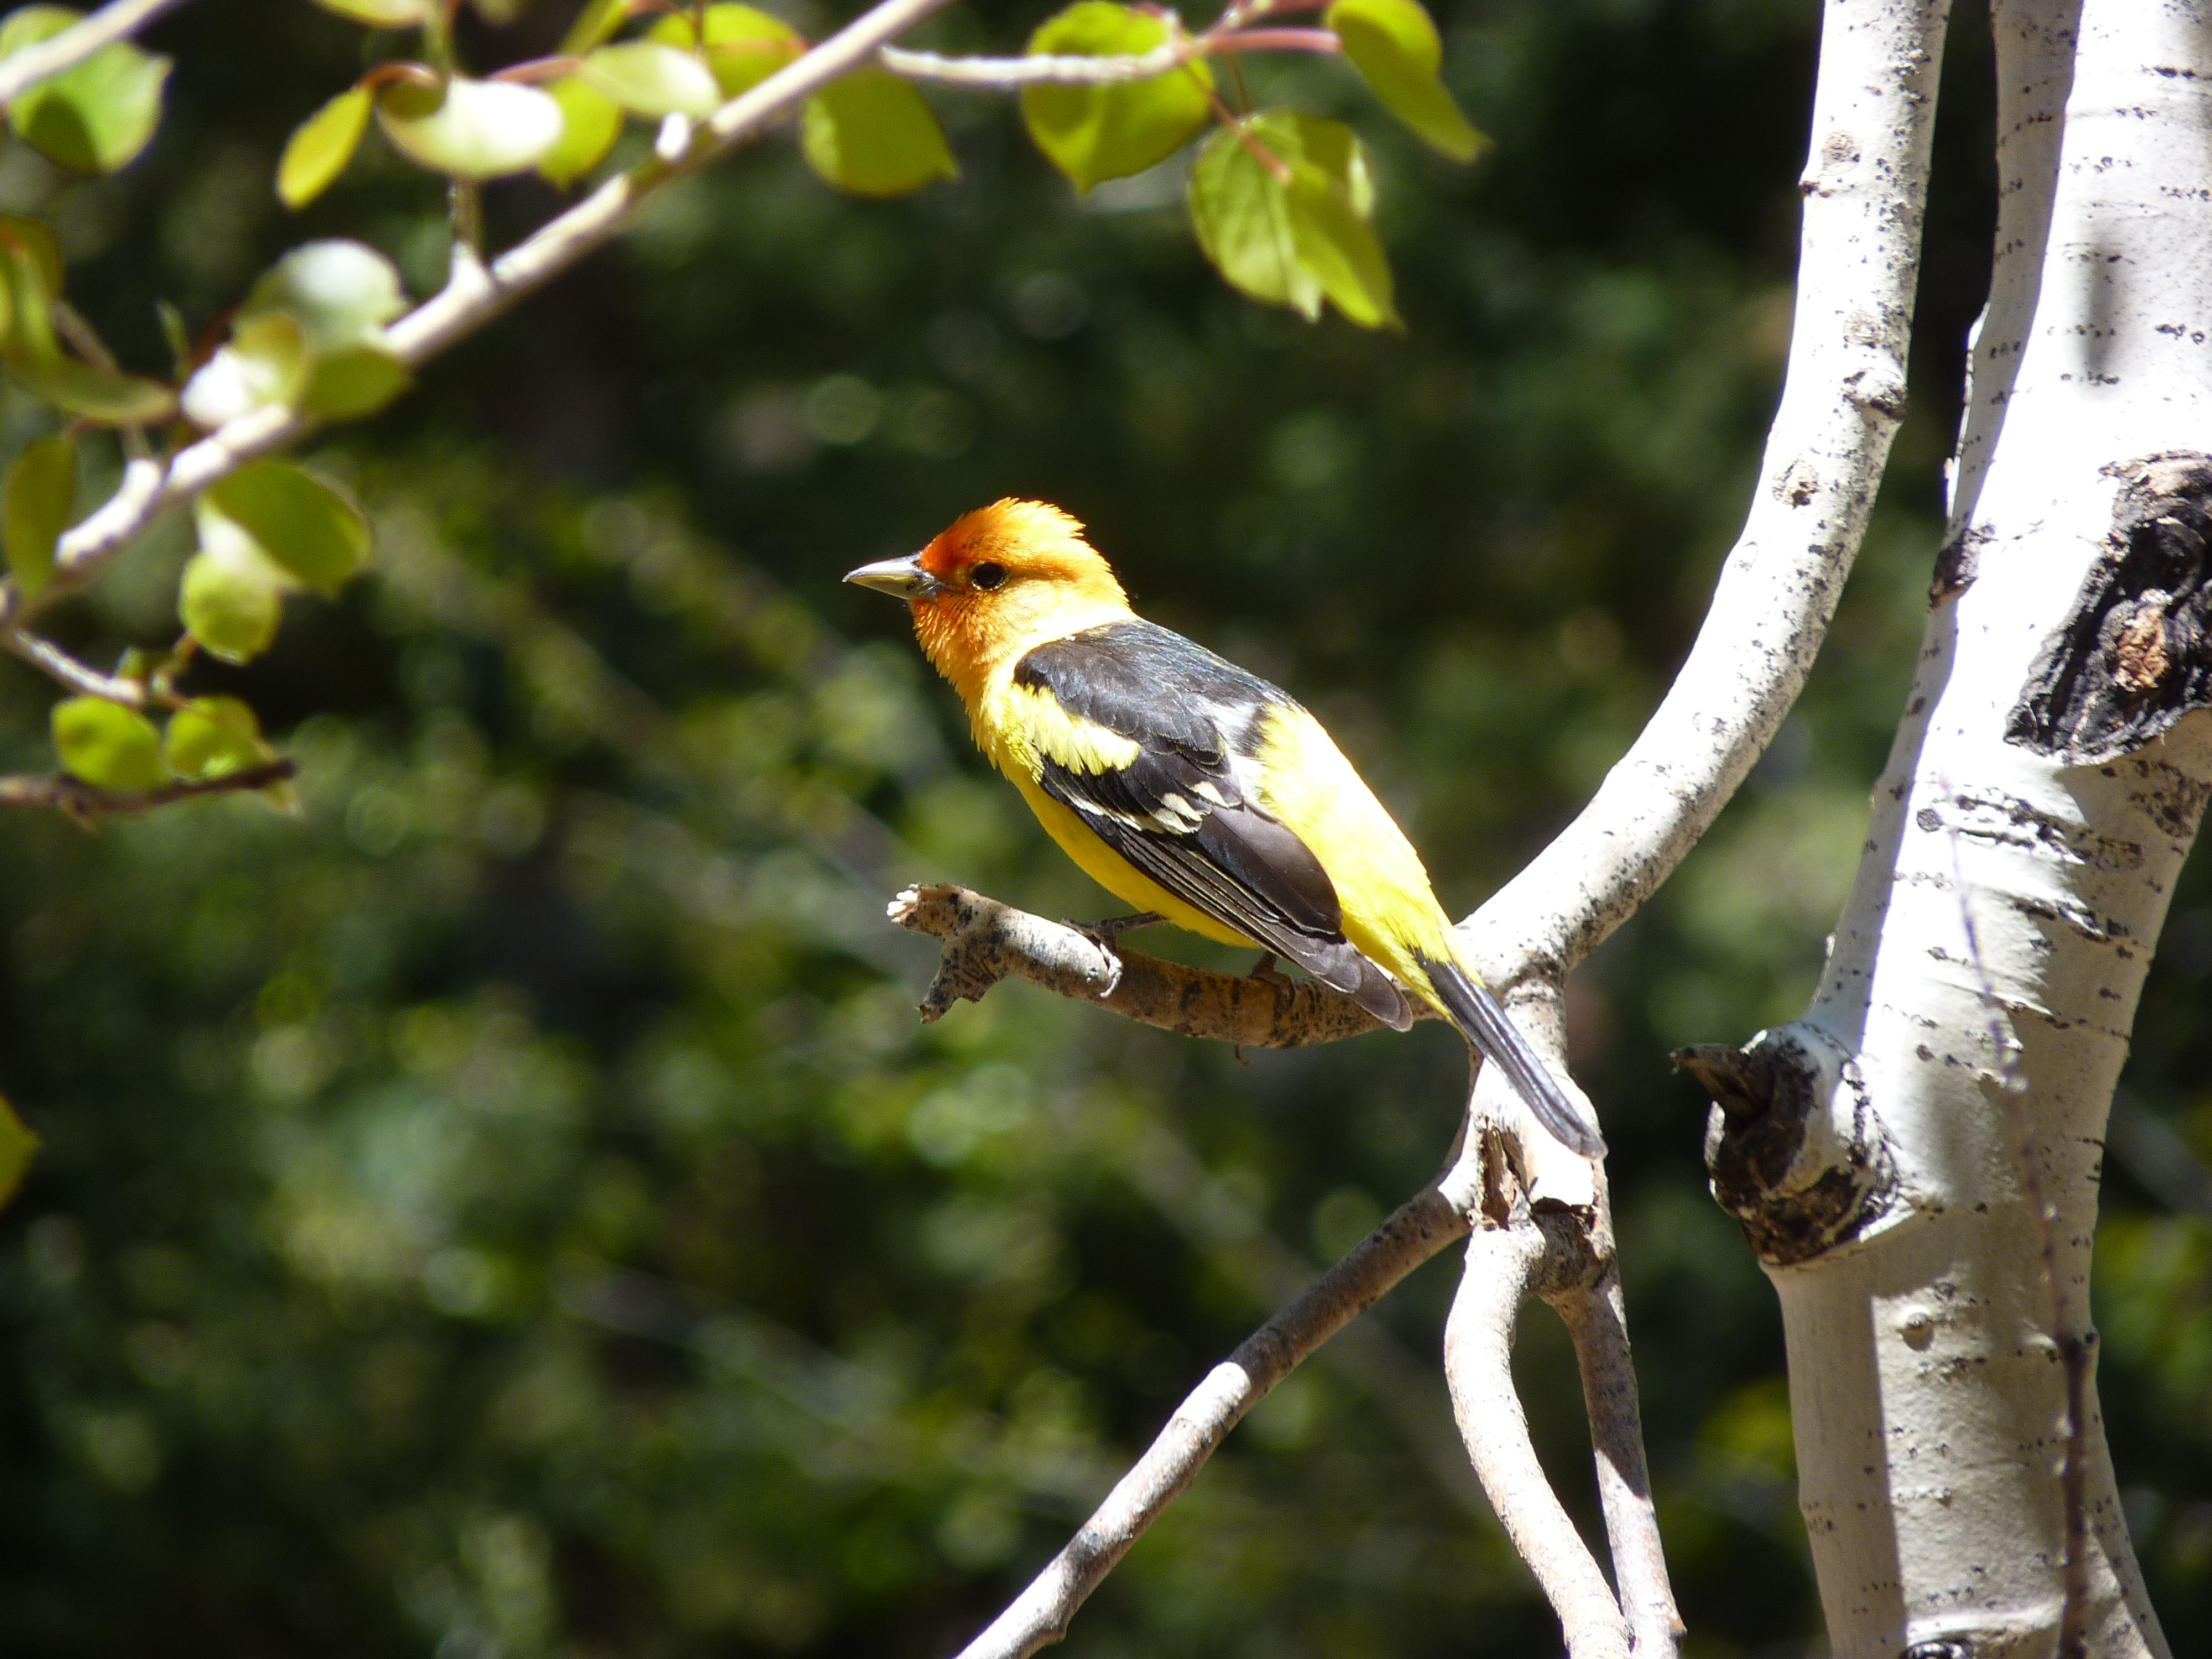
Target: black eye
[988, 575]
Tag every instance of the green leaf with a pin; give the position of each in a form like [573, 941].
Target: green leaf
[37, 499]
[1095, 133]
[1393, 44]
[342, 292]
[232, 598]
[744, 46]
[106, 397]
[266, 362]
[1281, 204]
[213, 738]
[18, 1146]
[108, 746]
[297, 520]
[353, 381]
[30, 308]
[95, 115]
[649, 79]
[382, 14]
[871, 134]
[591, 122]
[479, 129]
[321, 147]
[595, 24]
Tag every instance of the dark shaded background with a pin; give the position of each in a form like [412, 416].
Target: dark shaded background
[512, 1210]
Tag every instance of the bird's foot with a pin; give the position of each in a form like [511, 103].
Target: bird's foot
[1266, 972]
[1103, 935]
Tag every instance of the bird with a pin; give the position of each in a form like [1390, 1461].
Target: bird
[1188, 786]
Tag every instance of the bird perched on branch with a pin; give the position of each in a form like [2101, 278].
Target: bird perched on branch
[1187, 788]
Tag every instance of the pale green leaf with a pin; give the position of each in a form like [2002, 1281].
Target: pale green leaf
[353, 381]
[1095, 133]
[649, 79]
[213, 738]
[37, 241]
[478, 130]
[321, 147]
[106, 397]
[37, 499]
[342, 292]
[232, 598]
[299, 520]
[108, 746]
[744, 46]
[1281, 204]
[266, 362]
[589, 123]
[871, 134]
[95, 115]
[1393, 46]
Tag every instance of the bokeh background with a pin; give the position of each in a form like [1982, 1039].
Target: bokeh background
[512, 1209]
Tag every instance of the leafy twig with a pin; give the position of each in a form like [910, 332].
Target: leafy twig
[87, 804]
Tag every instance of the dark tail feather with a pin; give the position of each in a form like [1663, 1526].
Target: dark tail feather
[1478, 1016]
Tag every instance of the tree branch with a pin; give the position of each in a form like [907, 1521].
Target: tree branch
[1417, 1230]
[50, 659]
[985, 941]
[1865, 188]
[1513, 1254]
[477, 294]
[87, 804]
[21, 71]
[1046, 69]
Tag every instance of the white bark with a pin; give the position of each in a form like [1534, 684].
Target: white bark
[1893, 1152]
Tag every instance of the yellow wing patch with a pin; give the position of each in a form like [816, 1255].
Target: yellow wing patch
[1027, 725]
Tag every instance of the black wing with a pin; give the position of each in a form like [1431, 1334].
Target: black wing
[1178, 812]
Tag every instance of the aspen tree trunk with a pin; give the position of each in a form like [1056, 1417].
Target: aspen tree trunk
[1916, 1157]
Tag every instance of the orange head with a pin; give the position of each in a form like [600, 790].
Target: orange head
[1000, 580]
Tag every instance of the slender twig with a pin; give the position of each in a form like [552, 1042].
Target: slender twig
[1418, 1229]
[1047, 69]
[1507, 1261]
[149, 488]
[21, 71]
[50, 659]
[87, 804]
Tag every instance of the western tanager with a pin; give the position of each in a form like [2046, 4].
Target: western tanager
[1187, 787]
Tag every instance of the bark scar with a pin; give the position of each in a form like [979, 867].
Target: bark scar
[2135, 654]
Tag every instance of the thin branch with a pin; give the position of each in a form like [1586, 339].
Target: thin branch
[1045, 69]
[1417, 1230]
[50, 659]
[473, 298]
[87, 804]
[1512, 1257]
[1001, 74]
[1597, 1323]
[985, 941]
[21, 71]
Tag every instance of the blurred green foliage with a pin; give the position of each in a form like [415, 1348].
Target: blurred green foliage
[510, 1209]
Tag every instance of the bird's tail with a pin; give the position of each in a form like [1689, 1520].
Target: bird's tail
[1484, 1023]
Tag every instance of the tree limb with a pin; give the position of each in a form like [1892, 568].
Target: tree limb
[1417, 1230]
[21, 71]
[475, 295]
[985, 941]
[87, 803]
[51, 660]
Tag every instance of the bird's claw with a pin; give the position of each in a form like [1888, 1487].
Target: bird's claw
[1103, 935]
[1266, 972]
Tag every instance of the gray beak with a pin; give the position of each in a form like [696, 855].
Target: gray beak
[903, 579]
